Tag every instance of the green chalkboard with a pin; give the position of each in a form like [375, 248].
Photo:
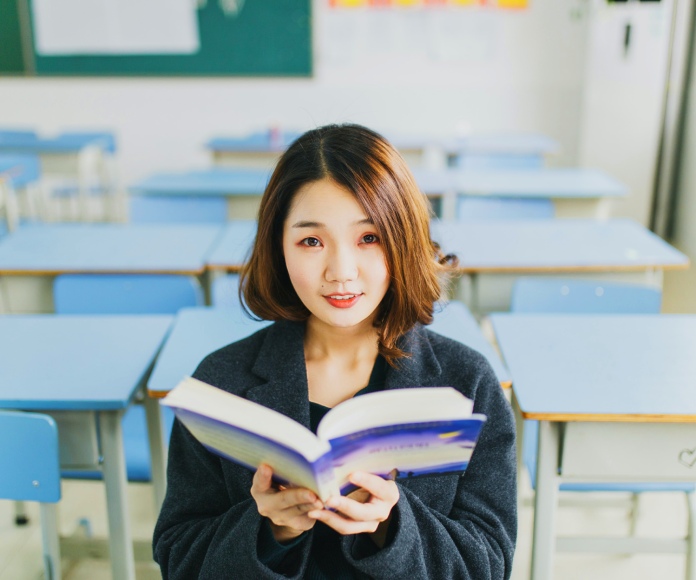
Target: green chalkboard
[266, 38]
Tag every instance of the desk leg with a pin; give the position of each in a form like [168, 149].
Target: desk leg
[158, 460]
[691, 537]
[120, 538]
[545, 501]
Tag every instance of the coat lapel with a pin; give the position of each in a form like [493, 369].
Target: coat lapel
[281, 362]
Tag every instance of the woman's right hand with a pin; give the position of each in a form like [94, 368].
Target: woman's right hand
[285, 508]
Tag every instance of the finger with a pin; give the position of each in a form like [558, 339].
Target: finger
[384, 489]
[290, 498]
[342, 524]
[262, 479]
[373, 510]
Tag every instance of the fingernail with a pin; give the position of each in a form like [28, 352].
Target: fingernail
[332, 502]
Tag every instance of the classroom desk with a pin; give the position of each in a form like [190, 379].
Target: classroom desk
[575, 192]
[261, 149]
[200, 331]
[33, 255]
[475, 151]
[232, 248]
[615, 399]
[86, 370]
[616, 249]
[242, 187]
[84, 157]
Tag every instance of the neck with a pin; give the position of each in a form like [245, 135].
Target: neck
[350, 345]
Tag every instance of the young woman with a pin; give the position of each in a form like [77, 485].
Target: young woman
[344, 264]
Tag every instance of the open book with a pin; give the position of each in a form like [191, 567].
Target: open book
[398, 432]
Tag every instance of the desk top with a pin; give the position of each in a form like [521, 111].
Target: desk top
[200, 331]
[76, 362]
[260, 142]
[232, 248]
[565, 183]
[64, 143]
[567, 245]
[483, 144]
[601, 367]
[211, 182]
[49, 249]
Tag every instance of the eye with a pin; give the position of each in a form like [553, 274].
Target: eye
[311, 242]
[370, 239]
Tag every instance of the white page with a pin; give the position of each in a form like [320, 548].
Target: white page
[71, 27]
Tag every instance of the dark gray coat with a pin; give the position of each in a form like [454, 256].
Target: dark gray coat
[447, 526]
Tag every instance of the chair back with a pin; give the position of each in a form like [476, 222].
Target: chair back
[503, 208]
[29, 458]
[539, 295]
[124, 293]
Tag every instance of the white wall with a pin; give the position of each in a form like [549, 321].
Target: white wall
[423, 70]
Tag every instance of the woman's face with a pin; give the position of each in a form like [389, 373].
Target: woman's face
[334, 256]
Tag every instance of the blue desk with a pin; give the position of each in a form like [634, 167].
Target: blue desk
[619, 249]
[83, 158]
[615, 399]
[260, 149]
[232, 248]
[243, 188]
[91, 367]
[42, 251]
[475, 151]
[200, 331]
[575, 192]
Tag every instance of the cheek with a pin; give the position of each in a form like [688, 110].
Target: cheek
[300, 272]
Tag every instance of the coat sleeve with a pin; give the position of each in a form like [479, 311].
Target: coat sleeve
[208, 529]
[476, 539]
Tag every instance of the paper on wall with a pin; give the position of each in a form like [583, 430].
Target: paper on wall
[72, 27]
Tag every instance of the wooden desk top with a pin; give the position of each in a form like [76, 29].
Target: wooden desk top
[51, 249]
[563, 245]
[76, 362]
[624, 368]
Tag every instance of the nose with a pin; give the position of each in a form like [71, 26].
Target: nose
[342, 265]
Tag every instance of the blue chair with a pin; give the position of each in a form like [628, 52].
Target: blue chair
[127, 294]
[30, 468]
[503, 208]
[179, 209]
[557, 295]
[224, 291]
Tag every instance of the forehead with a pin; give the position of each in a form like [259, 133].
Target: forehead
[325, 198]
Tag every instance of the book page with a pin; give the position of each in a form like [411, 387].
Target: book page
[199, 397]
[392, 407]
[407, 450]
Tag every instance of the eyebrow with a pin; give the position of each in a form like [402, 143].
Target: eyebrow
[310, 224]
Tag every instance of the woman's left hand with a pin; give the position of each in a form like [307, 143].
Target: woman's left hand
[366, 510]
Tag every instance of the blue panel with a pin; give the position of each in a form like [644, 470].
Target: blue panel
[498, 208]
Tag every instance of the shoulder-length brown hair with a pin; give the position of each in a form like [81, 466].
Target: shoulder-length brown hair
[366, 164]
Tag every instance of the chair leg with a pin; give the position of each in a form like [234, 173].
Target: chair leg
[635, 511]
[21, 517]
[691, 536]
[51, 542]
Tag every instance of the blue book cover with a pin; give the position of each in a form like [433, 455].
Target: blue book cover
[393, 433]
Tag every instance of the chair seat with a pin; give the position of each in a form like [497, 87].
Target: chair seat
[135, 443]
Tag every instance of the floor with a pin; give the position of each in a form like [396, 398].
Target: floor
[660, 515]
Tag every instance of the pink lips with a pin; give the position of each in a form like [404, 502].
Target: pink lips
[343, 300]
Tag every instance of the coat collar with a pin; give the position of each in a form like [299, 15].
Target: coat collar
[281, 363]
